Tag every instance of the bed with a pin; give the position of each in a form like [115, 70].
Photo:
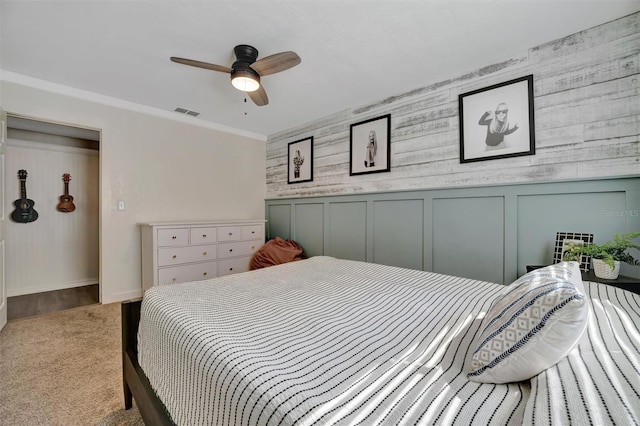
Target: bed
[330, 341]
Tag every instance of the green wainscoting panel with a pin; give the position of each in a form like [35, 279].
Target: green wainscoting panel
[468, 237]
[397, 239]
[279, 221]
[348, 230]
[309, 228]
[540, 216]
[486, 232]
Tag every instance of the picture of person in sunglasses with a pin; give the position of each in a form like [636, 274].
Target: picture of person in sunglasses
[498, 127]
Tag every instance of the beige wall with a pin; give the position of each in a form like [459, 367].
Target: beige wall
[587, 122]
[163, 169]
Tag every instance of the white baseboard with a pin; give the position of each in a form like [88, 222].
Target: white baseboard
[50, 287]
[120, 297]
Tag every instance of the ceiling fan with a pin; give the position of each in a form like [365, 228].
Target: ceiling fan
[247, 70]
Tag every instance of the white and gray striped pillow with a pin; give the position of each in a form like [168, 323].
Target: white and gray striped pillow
[535, 323]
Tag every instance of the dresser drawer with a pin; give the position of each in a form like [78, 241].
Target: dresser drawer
[253, 232]
[173, 237]
[230, 233]
[181, 274]
[188, 254]
[204, 235]
[240, 248]
[233, 266]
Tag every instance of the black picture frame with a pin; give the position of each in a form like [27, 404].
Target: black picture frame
[483, 136]
[565, 240]
[300, 161]
[361, 153]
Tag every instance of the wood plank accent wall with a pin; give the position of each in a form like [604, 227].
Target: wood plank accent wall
[587, 123]
[58, 250]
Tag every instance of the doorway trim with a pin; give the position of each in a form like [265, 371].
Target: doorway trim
[78, 132]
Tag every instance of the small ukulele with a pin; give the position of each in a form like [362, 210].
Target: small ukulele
[24, 212]
[66, 201]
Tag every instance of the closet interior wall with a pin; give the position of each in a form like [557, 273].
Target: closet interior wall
[58, 250]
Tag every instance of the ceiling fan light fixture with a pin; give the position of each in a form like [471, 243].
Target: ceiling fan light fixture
[245, 81]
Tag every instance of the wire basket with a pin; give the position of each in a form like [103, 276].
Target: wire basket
[602, 270]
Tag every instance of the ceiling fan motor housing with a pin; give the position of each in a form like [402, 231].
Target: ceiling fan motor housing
[245, 53]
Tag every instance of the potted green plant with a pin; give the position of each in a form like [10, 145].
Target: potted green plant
[607, 257]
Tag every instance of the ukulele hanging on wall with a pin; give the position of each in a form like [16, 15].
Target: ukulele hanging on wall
[66, 201]
[24, 212]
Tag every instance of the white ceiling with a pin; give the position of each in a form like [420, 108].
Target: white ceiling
[353, 52]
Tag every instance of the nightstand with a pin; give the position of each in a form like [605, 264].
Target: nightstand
[627, 283]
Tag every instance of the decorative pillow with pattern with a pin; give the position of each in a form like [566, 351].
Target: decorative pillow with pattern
[535, 323]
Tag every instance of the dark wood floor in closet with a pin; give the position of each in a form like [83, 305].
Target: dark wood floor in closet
[51, 301]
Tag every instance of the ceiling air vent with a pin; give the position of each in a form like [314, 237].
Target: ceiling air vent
[186, 111]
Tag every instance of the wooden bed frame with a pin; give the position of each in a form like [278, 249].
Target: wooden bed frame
[135, 382]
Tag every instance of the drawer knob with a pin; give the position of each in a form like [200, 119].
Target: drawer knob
[253, 232]
[230, 250]
[173, 237]
[204, 274]
[174, 279]
[252, 247]
[230, 233]
[231, 269]
[174, 256]
[204, 253]
[204, 235]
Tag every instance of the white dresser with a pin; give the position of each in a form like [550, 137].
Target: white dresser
[191, 251]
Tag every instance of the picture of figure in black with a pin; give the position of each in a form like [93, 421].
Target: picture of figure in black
[297, 162]
[372, 149]
[498, 126]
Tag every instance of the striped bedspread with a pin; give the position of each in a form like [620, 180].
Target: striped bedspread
[327, 341]
[599, 382]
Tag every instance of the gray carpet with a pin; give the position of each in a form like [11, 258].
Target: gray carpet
[64, 368]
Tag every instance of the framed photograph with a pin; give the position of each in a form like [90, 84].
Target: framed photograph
[565, 240]
[370, 146]
[300, 164]
[497, 121]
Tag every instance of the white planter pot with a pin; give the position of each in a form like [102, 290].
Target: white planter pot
[602, 270]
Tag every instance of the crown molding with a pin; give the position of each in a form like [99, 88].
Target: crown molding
[86, 95]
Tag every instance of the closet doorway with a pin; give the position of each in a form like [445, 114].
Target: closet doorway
[52, 262]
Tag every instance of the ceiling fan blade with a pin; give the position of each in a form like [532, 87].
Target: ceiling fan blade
[276, 63]
[200, 64]
[259, 97]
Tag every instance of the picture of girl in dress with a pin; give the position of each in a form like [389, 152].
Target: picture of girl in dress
[372, 149]
[370, 146]
[498, 127]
